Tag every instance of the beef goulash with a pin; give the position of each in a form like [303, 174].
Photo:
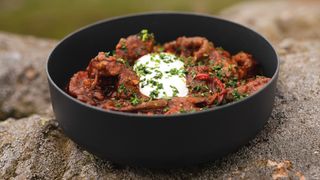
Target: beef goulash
[188, 74]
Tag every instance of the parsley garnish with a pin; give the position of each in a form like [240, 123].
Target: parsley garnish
[122, 88]
[216, 67]
[145, 35]
[174, 71]
[232, 82]
[118, 105]
[142, 70]
[183, 111]
[166, 109]
[158, 74]
[134, 100]
[153, 94]
[218, 71]
[237, 96]
[107, 54]
[198, 88]
[174, 91]
[123, 45]
[120, 60]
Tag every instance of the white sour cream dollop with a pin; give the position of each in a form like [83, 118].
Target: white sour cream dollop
[162, 75]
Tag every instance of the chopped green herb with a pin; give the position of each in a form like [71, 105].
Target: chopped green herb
[204, 94]
[137, 51]
[123, 62]
[197, 88]
[230, 67]
[123, 45]
[157, 61]
[142, 70]
[166, 109]
[193, 74]
[220, 74]
[122, 88]
[154, 94]
[237, 96]
[145, 35]
[189, 61]
[160, 48]
[134, 100]
[200, 63]
[219, 49]
[107, 54]
[118, 105]
[159, 86]
[152, 82]
[162, 55]
[175, 91]
[183, 71]
[174, 71]
[218, 71]
[158, 74]
[183, 111]
[204, 108]
[216, 67]
[232, 82]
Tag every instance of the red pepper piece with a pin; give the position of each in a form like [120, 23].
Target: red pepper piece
[218, 83]
[202, 76]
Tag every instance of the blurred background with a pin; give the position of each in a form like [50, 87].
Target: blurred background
[57, 18]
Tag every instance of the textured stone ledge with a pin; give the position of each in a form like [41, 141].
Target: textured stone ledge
[288, 147]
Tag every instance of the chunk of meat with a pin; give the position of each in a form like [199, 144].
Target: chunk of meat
[239, 66]
[128, 84]
[197, 47]
[82, 88]
[180, 105]
[251, 86]
[218, 54]
[191, 104]
[195, 84]
[200, 81]
[225, 69]
[203, 101]
[103, 65]
[149, 105]
[133, 47]
[246, 64]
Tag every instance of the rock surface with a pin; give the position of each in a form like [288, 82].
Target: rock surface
[24, 88]
[279, 19]
[288, 147]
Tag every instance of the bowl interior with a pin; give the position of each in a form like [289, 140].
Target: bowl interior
[75, 51]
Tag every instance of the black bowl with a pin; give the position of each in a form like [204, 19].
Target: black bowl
[160, 141]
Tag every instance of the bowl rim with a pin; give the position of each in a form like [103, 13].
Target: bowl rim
[217, 108]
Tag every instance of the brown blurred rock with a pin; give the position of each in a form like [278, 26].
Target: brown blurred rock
[287, 148]
[22, 75]
[279, 19]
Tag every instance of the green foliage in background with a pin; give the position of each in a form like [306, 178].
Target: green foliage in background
[56, 18]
